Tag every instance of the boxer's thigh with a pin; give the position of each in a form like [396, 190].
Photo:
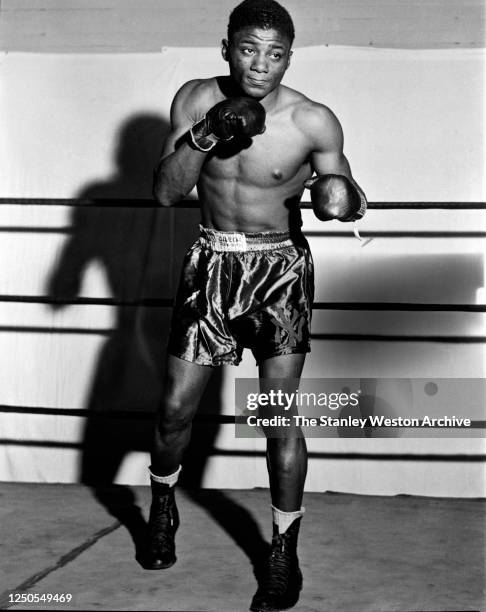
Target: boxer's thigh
[284, 317]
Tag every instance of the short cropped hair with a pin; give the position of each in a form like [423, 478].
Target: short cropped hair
[265, 14]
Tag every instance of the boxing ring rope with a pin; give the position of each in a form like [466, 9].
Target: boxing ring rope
[167, 302]
[150, 203]
[219, 452]
[202, 419]
[192, 204]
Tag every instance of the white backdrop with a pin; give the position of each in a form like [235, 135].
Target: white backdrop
[88, 126]
[413, 120]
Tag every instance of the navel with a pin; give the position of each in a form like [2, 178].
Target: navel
[277, 175]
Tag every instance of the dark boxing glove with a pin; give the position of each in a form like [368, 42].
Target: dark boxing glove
[334, 196]
[233, 117]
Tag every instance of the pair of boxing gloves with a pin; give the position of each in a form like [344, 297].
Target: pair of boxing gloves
[333, 196]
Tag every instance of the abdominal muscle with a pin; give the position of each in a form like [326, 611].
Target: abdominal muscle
[237, 204]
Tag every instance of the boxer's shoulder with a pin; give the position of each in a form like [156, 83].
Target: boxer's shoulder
[316, 120]
[313, 119]
[195, 97]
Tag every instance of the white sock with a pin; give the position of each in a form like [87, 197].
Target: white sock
[283, 520]
[170, 479]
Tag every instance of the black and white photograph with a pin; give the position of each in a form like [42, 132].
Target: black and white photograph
[243, 305]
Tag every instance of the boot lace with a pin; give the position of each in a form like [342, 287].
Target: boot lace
[162, 523]
[276, 577]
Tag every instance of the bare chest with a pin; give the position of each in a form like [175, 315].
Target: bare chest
[273, 158]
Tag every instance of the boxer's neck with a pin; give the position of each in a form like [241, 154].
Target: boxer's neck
[230, 89]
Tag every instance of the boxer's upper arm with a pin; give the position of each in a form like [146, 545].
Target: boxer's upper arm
[327, 155]
[184, 112]
[327, 140]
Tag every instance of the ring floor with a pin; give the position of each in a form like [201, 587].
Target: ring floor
[358, 553]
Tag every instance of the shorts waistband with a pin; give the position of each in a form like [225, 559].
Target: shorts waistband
[244, 241]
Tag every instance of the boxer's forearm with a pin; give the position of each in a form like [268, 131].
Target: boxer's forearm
[177, 174]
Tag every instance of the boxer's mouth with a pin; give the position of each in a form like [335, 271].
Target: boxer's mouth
[257, 82]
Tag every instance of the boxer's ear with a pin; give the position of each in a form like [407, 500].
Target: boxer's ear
[225, 49]
[288, 59]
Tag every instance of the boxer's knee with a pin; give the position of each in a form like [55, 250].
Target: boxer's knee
[175, 415]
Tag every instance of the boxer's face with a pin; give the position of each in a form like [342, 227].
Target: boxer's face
[258, 59]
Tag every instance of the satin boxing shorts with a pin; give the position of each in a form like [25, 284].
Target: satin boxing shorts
[243, 290]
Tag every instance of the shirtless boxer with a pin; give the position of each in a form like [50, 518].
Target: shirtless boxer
[250, 145]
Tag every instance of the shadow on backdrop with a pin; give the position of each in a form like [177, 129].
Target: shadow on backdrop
[439, 278]
[139, 252]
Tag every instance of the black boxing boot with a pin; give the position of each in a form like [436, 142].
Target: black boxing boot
[163, 524]
[282, 579]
